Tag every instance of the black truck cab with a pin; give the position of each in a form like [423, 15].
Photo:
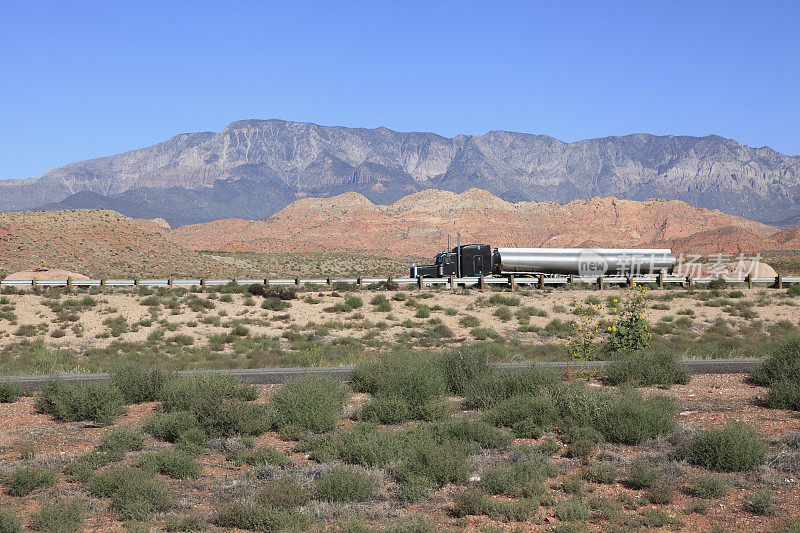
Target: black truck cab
[469, 260]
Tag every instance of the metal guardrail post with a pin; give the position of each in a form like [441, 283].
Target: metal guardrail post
[660, 281]
[169, 282]
[297, 281]
[203, 282]
[329, 281]
[266, 281]
[778, 281]
[570, 280]
[360, 282]
[450, 279]
[541, 281]
[33, 283]
[419, 282]
[512, 282]
[689, 282]
[481, 283]
[136, 282]
[390, 280]
[749, 280]
[103, 282]
[600, 283]
[629, 281]
[69, 284]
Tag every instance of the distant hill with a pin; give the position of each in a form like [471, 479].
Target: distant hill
[254, 168]
[418, 225]
[94, 243]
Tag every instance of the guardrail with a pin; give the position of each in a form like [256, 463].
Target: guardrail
[481, 282]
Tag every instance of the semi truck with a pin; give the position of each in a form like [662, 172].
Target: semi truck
[474, 260]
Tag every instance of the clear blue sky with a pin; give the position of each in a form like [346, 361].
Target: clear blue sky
[86, 79]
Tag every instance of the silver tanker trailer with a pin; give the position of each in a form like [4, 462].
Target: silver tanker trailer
[472, 260]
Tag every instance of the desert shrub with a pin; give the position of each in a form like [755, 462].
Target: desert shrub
[601, 473]
[572, 509]
[266, 455]
[642, 476]
[655, 518]
[267, 291]
[9, 523]
[121, 440]
[463, 366]
[381, 303]
[274, 304]
[472, 502]
[314, 403]
[59, 517]
[255, 517]
[469, 321]
[138, 383]
[793, 290]
[134, 494]
[520, 478]
[482, 334]
[581, 449]
[646, 367]
[424, 456]
[367, 445]
[782, 363]
[471, 431]
[170, 426]
[345, 484]
[403, 387]
[10, 392]
[27, 330]
[78, 471]
[532, 410]
[96, 402]
[783, 395]
[734, 448]
[760, 502]
[485, 392]
[622, 417]
[173, 463]
[582, 441]
[186, 393]
[228, 417]
[25, 480]
[240, 330]
[468, 503]
[185, 523]
[386, 410]
[350, 303]
[660, 493]
[780, 371]
[282, 493]
[708, 486]
[549, 446]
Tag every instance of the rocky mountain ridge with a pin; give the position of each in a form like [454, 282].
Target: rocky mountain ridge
[254, 168]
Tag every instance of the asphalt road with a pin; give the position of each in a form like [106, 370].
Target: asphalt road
[280, 375]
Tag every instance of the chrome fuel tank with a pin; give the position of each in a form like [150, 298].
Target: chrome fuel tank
[584, 261]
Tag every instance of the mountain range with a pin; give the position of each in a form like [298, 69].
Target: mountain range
[254, 168]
